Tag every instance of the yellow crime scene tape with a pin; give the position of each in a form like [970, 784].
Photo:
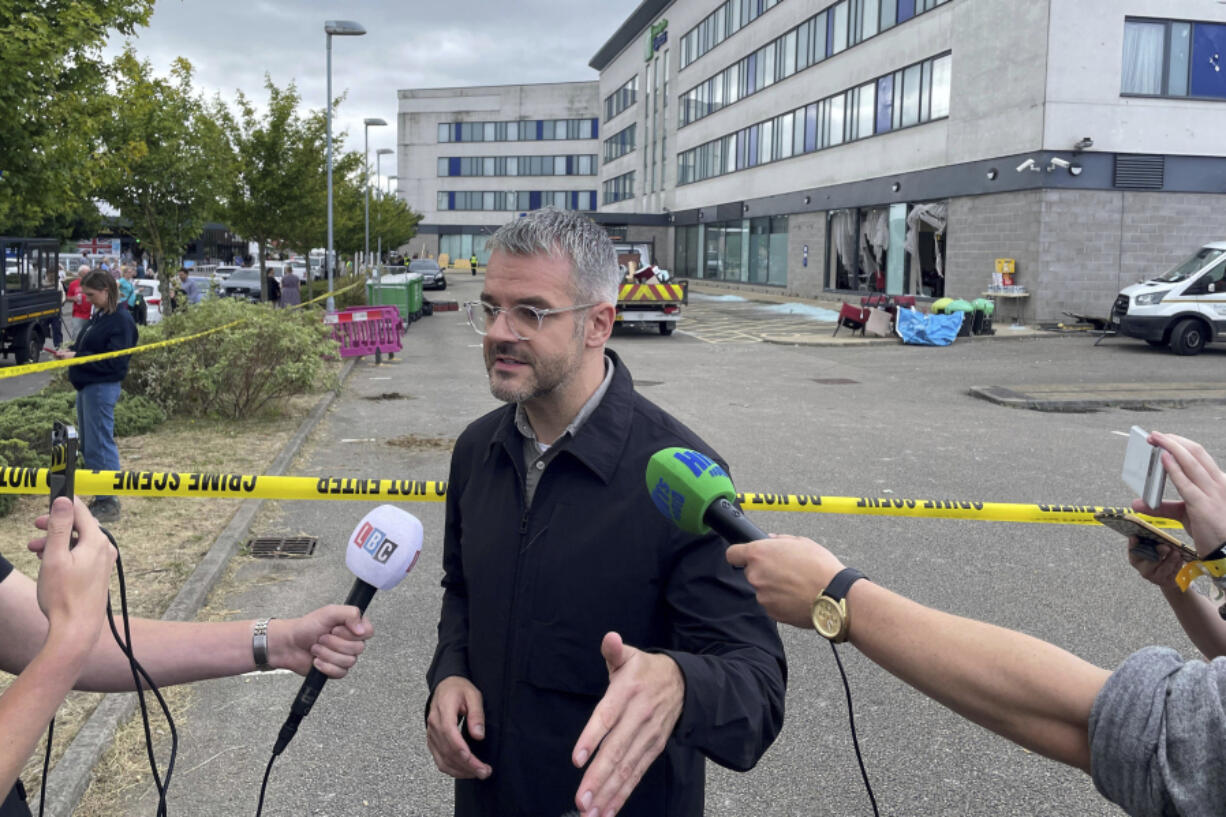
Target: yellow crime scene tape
[30, 368]
[15, 480]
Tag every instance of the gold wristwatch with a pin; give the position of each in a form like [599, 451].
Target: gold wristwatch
[830, 616]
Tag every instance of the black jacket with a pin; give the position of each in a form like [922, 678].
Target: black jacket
[530, 592]
[104, 333]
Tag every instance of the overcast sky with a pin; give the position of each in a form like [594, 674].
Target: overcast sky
[417, 44]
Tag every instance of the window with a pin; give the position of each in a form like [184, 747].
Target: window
[619, 144]
[912, 95]
[444, 132]
[619, 188]
[719, 25]
[521, 200]
[622, 98]
[1173, 58]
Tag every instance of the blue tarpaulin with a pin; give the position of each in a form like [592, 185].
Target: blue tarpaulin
[927, 330]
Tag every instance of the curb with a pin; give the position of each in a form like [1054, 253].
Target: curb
[823, 340]
[1004, 396]
[76, 765]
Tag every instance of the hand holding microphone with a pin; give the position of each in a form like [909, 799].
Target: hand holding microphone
[695, 492]
[382, 549]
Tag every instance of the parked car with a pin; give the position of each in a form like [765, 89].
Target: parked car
[432, 276]
[148, 288]
[1184, 308]
[242, 283]
[225, 271]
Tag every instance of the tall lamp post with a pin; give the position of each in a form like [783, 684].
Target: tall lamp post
[340, 28]
[391, 179]
[379, 154]
[366, 178]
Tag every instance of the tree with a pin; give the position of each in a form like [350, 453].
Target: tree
[392, 221]
[168, 155]
[53, 98]
[279, 188]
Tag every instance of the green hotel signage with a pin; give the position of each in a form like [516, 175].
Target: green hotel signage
[656, 37]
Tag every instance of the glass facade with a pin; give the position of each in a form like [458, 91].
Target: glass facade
[719, 25]
[575, 165]
[621, 99]
[521, 200]
[842, 25]
[522, 130]
[619, 144]
[910, 96]
[894, 249]
[619, 188]
[748, 250]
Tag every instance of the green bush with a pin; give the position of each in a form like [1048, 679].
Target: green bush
[270, 354]
[25, 427]
[351, 297]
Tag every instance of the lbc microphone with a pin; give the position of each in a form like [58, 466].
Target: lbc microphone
[382, 549]
[695, 492]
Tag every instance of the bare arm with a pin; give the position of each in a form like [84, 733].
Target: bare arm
[1024, 689]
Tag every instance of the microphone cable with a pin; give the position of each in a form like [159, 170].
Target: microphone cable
[138, 672]
[855, 741]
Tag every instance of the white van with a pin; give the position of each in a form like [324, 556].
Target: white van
[1184, 308]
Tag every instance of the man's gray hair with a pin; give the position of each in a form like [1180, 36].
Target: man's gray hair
[571, 237]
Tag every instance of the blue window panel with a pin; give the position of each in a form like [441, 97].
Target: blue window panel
[885, 103]
[1208, 56]
[457, 133]
[534, 198]
[751, 73]
[574, 199]
[451, 201]
[830, 29]
[811, 128]
[540, 134]
[753, 146]
[453, 166]
[595, 128]
[906, 10]
[591, 200]
[570, 165]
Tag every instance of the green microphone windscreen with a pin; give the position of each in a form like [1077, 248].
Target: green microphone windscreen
[683, 484]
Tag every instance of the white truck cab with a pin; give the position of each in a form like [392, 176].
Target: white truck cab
[1184, 308]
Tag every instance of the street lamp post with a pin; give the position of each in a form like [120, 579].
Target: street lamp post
[391, 179]
[340, 28]
[379, 154]
[366, 179]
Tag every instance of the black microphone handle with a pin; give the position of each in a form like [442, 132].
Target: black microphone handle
[359, 596]
[728, 521]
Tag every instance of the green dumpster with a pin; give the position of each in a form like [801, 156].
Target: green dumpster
[401, 290]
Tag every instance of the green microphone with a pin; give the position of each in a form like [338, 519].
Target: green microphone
[694, 491]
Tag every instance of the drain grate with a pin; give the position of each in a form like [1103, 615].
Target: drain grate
[835, 381]
[282, 547]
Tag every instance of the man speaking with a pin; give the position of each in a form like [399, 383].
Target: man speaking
[590, 653]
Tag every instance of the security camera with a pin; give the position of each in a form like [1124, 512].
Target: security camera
[1027, 165]
[1055, 162]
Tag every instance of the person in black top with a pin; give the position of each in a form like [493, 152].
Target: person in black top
[110, 329]
[55, 639]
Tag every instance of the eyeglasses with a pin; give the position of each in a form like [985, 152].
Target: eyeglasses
[524, 321]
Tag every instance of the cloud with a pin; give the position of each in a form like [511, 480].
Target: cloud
[233, 43]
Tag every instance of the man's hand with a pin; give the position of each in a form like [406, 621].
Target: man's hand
[631, 725]
[788, 573]
[329, 639]
[456, 699]
[73, 583]
[1200, 483]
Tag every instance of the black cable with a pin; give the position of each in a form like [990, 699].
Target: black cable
[259, 807]
[855, 741]
[138, 672]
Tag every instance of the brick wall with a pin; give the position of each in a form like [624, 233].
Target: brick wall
[1162, 229]
[806, 229]
[1079, 249]
[983, 228]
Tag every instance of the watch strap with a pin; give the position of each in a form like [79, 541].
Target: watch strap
[259, 644]
[842, 582]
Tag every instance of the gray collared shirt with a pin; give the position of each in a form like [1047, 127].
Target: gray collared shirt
[537, 455]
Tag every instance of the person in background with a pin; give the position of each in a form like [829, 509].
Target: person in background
[191, 290]
[472, 263]
[1152, 734]
[82, 309]
[127, 289]
[56, 638]
[291, 288]
[98, 383]
[274, 289]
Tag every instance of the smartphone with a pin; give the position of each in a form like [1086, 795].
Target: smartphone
[1148, 536]
[62, 475]
[1143, 471]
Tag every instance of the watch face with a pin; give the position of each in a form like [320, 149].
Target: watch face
[828, 618]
